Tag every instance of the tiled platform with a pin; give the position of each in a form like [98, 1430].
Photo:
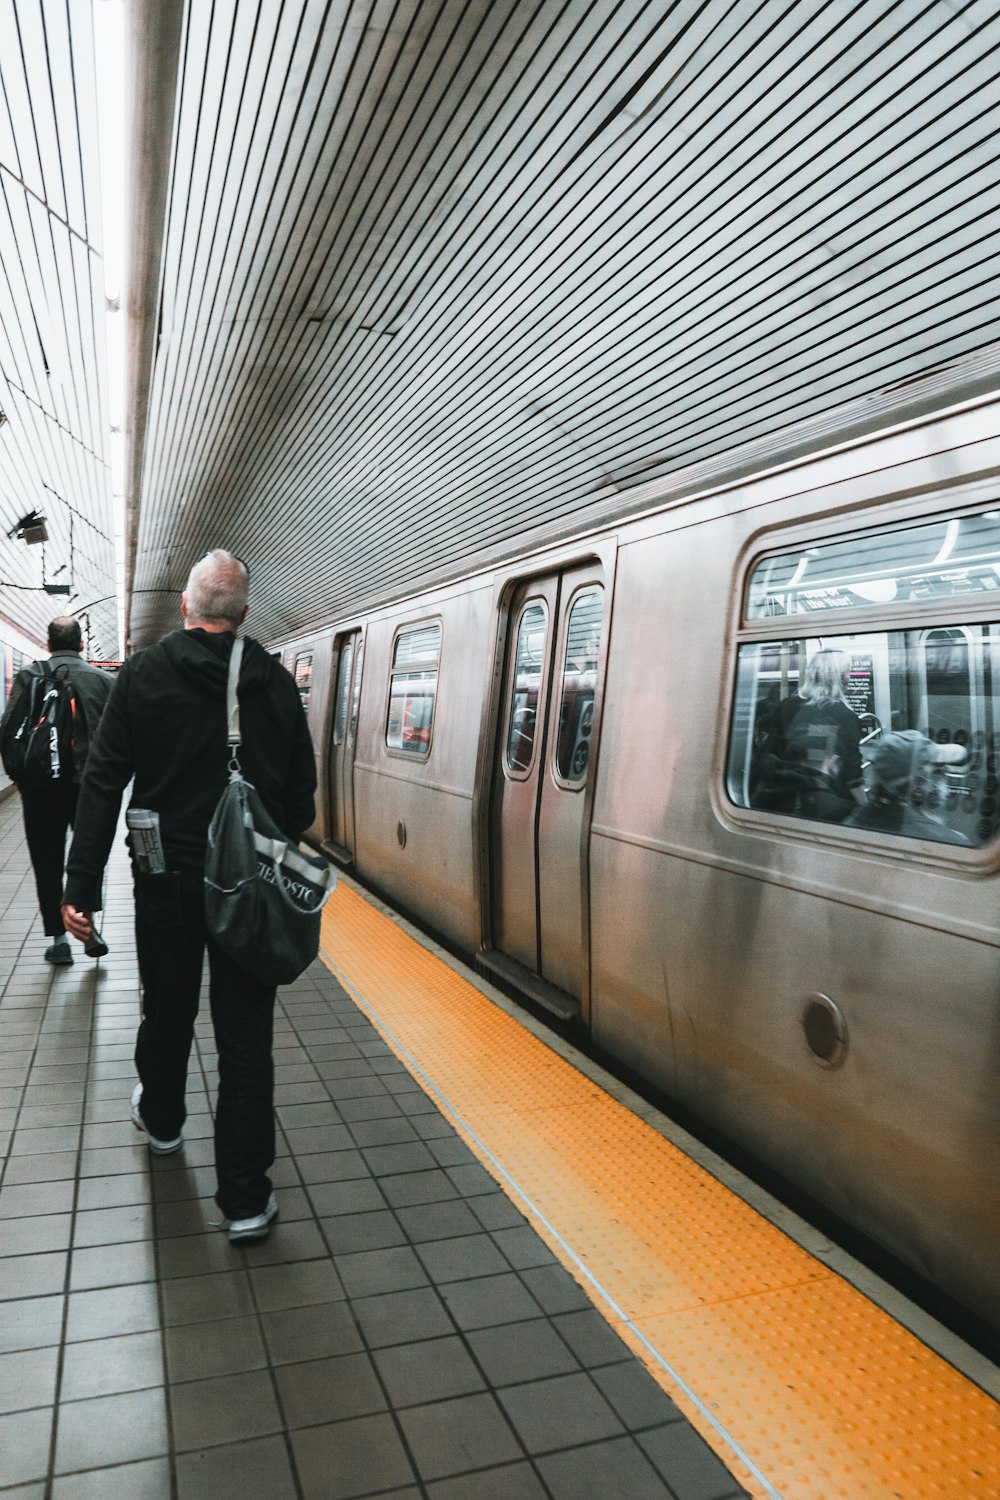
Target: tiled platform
[403, 1332]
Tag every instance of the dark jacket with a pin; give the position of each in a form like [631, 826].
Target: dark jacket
[810, 762]
[165, 725]
[92, 688]
[826, 737]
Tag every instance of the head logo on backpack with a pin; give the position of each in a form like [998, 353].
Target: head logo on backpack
[38, 744]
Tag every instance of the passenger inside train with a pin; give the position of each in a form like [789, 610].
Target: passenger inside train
[809, 761]
[904, 770]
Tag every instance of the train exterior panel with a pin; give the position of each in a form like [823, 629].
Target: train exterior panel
[415, 766]
[575, 766]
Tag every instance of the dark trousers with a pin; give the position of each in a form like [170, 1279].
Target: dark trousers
[171, 939]
[48, 817]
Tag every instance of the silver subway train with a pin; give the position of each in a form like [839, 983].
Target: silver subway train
[723, 782]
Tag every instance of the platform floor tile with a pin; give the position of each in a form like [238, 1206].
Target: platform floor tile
[403, 1332]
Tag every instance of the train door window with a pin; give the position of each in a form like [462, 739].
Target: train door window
[302, 672]
[359, 657]
[14, 660]
[413, 690]
[881, 724]
[579, 678]
[343, 691]
[529, 659]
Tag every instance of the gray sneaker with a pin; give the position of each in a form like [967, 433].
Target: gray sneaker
[257, 1228]
[159, 1148]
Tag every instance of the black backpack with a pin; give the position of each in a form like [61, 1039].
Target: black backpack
[39, 740]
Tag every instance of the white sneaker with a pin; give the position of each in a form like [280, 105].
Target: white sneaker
[256, 1228]
[159, 1148]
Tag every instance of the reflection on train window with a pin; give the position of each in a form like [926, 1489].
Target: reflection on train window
[896, 732]
[949, 558]
[529, 656]
[579, 679]
[343, 690]
[356, 691]
[412, 690]
[303, 674]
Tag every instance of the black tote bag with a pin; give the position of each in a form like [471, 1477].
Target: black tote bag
[264, 897]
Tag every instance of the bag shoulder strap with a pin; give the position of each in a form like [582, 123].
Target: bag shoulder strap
[233, 738]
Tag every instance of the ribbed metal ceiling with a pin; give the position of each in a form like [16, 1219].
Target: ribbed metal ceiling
[54, 429]
[438, 274]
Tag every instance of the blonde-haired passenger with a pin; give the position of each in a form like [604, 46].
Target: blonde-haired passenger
[811, 765]
[825, 678]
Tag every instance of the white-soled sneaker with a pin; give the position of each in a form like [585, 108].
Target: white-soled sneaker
[257, 1228]
[159, 1148]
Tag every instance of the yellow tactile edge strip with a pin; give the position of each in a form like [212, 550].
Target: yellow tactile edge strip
[804, 1388]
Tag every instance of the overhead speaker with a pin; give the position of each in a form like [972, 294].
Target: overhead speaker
[31, 529]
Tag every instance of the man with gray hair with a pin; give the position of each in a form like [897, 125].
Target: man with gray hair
[165, 726]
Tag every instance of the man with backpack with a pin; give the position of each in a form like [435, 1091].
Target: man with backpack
[45, 734]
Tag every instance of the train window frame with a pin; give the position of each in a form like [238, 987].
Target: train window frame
[570, 784]
[306, 657]
[518, 773]
[917, 619]
[409, 627]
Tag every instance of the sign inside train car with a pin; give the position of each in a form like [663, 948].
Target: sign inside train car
[859, 687]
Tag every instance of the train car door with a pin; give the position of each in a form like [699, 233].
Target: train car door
[542, 765]
[347, 700]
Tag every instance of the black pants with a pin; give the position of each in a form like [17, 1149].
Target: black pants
[171, 940]
[48, 817]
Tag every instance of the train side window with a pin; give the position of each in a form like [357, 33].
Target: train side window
[893, 730]
[413, 690]
[302, 672]
[953, 557]
[579, 679]
[529, 658]
[343, 692]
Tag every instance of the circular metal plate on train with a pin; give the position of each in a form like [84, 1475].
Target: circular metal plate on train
[825, 1030]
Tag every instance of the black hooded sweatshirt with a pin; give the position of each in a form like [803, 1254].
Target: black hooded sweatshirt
[165, 725]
